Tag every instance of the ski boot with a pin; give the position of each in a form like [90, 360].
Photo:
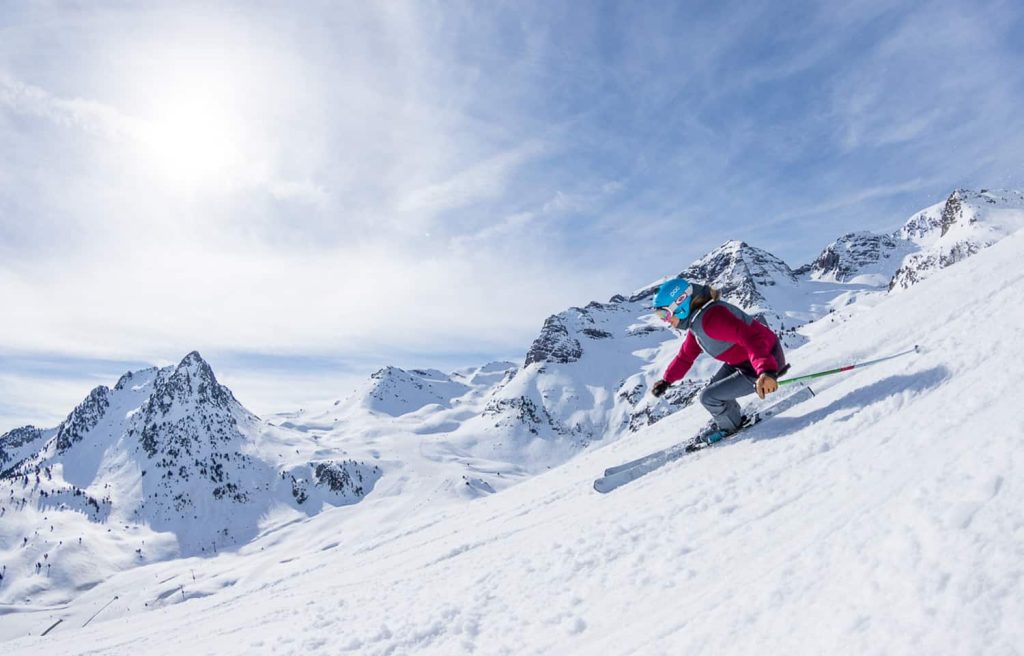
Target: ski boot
[712, 434]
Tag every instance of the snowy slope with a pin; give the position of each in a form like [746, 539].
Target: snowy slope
[884, 516]
[420, 440]
[413, 424]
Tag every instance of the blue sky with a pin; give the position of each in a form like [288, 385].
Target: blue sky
[307, 191]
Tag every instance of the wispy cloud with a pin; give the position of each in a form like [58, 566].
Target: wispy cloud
[482, 181]
[853, 199]
[89, 116]
[400, 179]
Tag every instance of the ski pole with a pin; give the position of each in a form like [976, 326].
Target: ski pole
[916, 349]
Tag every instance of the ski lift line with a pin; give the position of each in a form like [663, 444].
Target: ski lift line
[849, 367]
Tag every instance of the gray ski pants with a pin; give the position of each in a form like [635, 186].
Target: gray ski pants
[728, 384]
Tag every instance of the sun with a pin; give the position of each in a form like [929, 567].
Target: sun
[202, 105]
[193, 141]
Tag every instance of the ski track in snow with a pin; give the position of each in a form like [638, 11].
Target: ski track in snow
[881, 517]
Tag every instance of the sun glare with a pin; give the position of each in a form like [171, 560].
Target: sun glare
[193, 141]
[200, 94]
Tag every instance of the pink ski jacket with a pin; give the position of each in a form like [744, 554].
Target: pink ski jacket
[728, 334]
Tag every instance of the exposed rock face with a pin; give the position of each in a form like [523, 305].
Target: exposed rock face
[554, 344]
[564, 336]
[676, 398]
[852, 254]
[83, 418]
[347, 479]
[521, 411]
[921, 225]
[16, 445]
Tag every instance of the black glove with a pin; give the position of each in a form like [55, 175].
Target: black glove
[659, 387]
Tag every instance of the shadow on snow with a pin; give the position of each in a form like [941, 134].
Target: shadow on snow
[859, 399]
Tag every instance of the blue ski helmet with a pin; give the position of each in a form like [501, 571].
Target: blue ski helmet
[676, 295]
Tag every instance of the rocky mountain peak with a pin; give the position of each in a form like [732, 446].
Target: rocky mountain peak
[737, 259]
[738, 270]
[191, 382]
[194, 362]
[851, 254]
[187, 406]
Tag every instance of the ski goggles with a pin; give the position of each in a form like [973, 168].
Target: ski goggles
[665, 313]
[662, 313]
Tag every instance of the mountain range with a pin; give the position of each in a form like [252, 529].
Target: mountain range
[168, 464]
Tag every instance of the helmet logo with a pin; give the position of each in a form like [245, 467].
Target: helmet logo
[673, 295]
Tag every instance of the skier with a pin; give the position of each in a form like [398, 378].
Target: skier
[751, 352]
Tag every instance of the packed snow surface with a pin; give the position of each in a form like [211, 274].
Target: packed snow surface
[884, 516]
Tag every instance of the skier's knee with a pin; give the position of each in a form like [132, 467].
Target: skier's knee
[708, 400]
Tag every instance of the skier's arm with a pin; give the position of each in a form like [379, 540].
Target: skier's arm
[680, 365]
[756, 339]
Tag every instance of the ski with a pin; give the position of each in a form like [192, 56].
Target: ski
[748, 411]
[619, 475]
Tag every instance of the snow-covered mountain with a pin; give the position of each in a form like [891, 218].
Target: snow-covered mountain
[168, 463]
[949, 232]
[866, 520]
[859, 254]
[586, 375]
[934, 238]
[745, 275]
